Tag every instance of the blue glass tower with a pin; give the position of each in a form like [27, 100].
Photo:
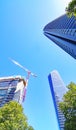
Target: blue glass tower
[62, 31]
[11, 88]
[58, 89]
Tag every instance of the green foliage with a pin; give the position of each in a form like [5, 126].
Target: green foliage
[68, 107]
[71, 9]
[13, 118]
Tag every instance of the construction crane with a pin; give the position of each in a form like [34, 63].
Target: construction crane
[28, 74]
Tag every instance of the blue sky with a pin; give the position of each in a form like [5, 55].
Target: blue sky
[22, 38]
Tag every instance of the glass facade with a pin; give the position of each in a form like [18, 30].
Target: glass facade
[11, 88]
[62, 31]
[58, 89]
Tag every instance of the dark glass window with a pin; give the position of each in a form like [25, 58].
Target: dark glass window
[8, 83]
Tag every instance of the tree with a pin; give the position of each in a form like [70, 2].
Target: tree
[13, 118]
[68, 107]
[71, 9]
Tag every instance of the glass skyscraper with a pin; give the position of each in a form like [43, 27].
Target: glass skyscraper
[62, 31]
[58, 89]
[12, 88]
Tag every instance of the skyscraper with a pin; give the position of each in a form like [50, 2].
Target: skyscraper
[58, 89]
[62, 31]
[12, 88]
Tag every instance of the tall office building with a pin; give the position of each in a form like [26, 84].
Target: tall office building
[58, 89]
[62, 31]
[12, 88]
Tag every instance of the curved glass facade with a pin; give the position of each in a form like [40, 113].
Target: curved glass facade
[58, 89]
[62, 31]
